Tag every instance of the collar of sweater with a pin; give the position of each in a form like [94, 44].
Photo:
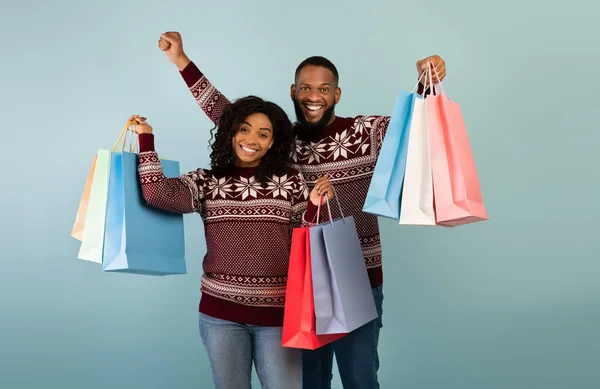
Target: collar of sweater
[242, 171]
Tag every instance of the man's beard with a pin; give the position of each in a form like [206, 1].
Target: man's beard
[304, 126]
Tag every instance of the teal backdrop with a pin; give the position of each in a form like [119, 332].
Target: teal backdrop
[511, 303]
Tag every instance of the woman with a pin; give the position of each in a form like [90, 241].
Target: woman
[249, 200]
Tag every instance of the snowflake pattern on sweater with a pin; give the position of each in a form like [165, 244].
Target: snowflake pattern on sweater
[346, 150]
[247, 225]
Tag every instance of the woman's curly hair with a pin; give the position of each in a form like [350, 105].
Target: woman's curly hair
[277, 158]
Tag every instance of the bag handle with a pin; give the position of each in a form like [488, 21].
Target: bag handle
[319, 208]
[124, 135]
[312, 223]
[430, 66]
[420, 78]
[428, 82]
[329, 209]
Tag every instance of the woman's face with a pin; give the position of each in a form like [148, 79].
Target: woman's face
[253, 139]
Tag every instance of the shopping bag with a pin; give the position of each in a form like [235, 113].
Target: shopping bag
[457, 193]
[416, 207]
[92, 236]
[299, 312]
[342, 291]
[140, 239]
[385, 188]
[77, 230]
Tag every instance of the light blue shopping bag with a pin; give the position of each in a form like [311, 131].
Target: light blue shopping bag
[140, 239]
[341, 288]
[385, 189]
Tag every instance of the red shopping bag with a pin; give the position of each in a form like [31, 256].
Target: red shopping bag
[456, 189]
[299, 328]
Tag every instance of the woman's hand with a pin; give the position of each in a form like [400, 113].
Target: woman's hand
[141, 127]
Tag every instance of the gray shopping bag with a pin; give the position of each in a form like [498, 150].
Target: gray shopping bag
[341, 287]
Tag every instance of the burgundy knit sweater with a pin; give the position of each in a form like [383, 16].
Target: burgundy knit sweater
[247, 229]
[347, 150]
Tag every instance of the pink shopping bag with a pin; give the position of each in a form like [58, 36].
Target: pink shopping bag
[456, 189]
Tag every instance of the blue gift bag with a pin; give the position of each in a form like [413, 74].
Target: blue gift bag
[140, 239]
[385, 189]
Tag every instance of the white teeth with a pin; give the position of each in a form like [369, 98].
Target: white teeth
[314, 107]
[248, 150]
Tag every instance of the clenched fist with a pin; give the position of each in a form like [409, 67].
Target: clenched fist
[172, 44]
[140, 126]
[438, 70]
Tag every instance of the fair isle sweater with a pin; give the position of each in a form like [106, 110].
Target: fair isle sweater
[247, 228]
[346, 150]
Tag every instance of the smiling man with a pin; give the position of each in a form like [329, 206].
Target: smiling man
[315, 93]
[345, 148]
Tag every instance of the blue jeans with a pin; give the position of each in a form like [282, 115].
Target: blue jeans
[356, 356]
[232, 348]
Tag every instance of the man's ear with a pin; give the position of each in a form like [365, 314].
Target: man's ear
[338, 94]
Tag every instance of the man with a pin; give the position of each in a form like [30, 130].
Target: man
[344, 148]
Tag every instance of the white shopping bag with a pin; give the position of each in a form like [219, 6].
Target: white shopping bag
[417, 193]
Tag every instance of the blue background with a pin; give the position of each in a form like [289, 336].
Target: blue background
[509, 303]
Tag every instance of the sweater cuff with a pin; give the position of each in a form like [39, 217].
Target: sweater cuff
[311, 212]
[191, 74]
[424, 93]
[146, 142]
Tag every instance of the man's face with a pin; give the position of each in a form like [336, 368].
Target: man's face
[315, 95]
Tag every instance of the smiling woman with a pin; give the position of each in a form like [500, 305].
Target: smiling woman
[252, 141]
[253, 133]
[249, 200]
